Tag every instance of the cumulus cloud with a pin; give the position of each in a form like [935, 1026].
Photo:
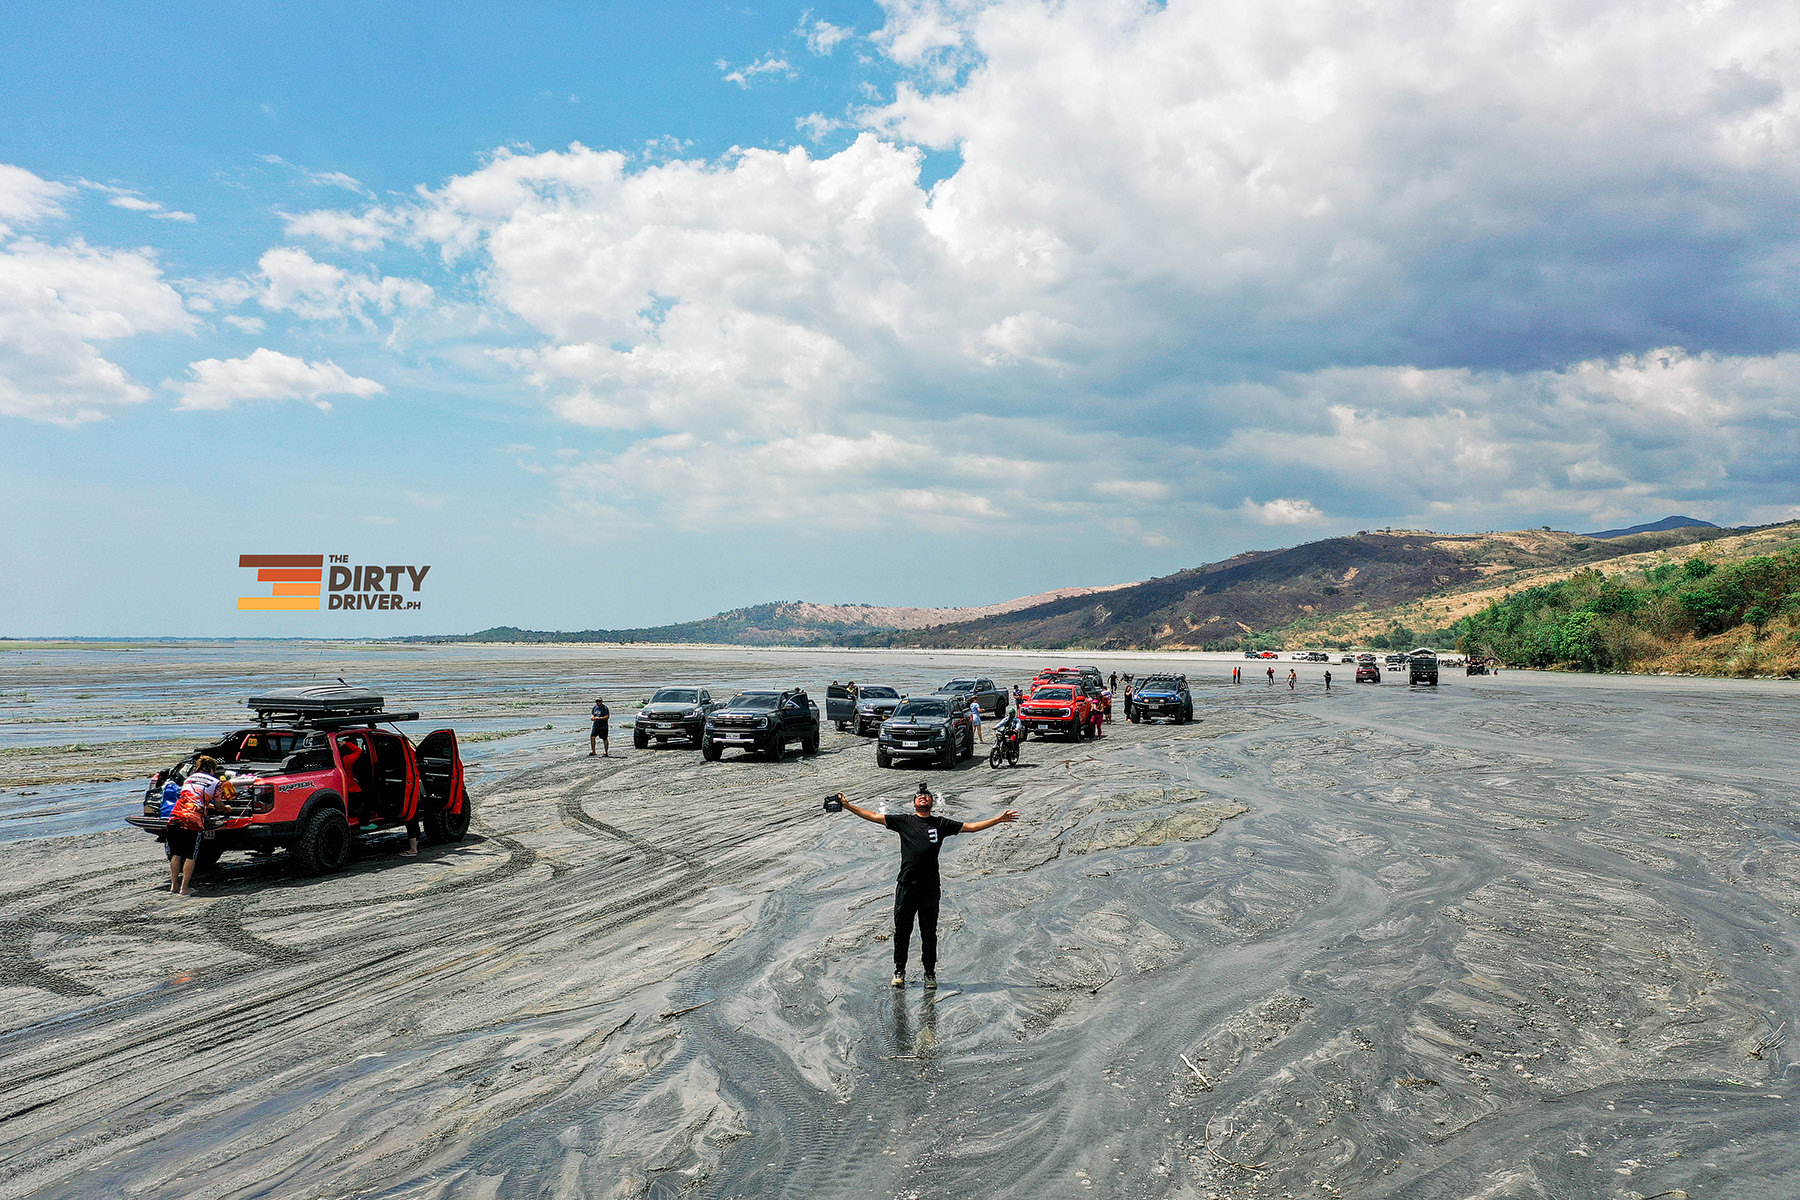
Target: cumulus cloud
[1249, 252]
[57, 300]
[822, 37]
[25, 199]
[294, 281]
[264, 374]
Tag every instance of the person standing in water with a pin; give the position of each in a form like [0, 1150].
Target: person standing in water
[917, 891]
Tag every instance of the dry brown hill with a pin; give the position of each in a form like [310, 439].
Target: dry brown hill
[1220, 603]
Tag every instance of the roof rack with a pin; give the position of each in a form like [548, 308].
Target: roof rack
[330, 706]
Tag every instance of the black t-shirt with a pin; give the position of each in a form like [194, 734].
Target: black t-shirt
[920, 840]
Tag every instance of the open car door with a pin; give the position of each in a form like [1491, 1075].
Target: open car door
[839, 707]
[443, 804]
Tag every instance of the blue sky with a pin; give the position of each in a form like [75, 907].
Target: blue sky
[621, 315]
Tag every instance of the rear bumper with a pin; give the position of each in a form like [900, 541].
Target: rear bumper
[243, 837]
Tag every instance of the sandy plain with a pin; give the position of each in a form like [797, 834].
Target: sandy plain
[1531, 936]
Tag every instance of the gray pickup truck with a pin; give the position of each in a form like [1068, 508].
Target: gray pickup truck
[991, 696]
[762, 722]
[673, 712]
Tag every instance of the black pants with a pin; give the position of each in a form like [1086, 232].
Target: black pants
[912, 900]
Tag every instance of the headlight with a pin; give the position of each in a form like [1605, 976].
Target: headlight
[762, 722]
[692, 713]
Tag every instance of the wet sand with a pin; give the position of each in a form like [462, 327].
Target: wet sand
[1515, 937]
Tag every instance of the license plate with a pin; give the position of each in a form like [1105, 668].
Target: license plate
[911, 745]
[736, 739]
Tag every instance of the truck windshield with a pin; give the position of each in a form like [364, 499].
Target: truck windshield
[762, 701]
[922, 708]
[1053, 693]
[675, 696]
[880, 693]
[959, 685]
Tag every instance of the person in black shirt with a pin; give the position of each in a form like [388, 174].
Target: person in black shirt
[916, 891]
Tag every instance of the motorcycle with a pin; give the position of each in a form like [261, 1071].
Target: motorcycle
[1007, 736]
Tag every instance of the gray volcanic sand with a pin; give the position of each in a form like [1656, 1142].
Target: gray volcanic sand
[1518, 937]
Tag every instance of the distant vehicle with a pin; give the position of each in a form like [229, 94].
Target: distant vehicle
[1422, 666]
[1162, 696]
[927, 727]
[1475, 666]
[1318, 656]
[763, 721]
[1365, 657]
[672, 712]
[991, 696]
[1368, 673]
[1253, 654]
[876, 702]
[1268, 654]
[1300, 656]
[1347, 660]
[314, 772]
[1396, 662]
[1060, 708]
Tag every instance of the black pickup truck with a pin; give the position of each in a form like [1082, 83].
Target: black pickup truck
[937, 727]
[762, 721]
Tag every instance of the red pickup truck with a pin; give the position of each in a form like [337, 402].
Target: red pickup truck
[316, 771]
[1057, 708]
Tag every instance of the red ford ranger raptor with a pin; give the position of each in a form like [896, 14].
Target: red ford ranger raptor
[1056, 708]
[315, 771]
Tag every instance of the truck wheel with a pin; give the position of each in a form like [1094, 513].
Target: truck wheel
[709, 751]
[968, 750]
[639, 739]
[775, 748]
[324, 844]
[209, 856]
[883, 759]
[443, 827]
[1133, 718]
[948, 758]
[810, 744]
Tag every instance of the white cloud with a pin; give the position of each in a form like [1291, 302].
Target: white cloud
[1242, 251]
[26, 199]
[265, 374]
[57, 301]
[133, 201]
[822, 37]
[768, 64]
[334, 179]
[296, 282]
[1282, 512]
[361, 232]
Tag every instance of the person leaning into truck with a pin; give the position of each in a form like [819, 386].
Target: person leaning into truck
[916, 890]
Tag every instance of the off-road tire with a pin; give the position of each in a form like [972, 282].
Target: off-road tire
[775, 748]
[968, 750]
[640, 739]
[1133, 718]
[1012, 756]
[809, 744]
[443, 827]
[324, 845]
[948, 758]
[209, 856]
[709, 750]
[996, 756]
[883, 759]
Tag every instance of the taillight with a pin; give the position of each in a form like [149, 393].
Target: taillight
[262, 798]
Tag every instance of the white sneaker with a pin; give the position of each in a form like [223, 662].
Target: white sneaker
[899, 980]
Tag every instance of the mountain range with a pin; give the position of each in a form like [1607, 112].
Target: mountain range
[1216, 605]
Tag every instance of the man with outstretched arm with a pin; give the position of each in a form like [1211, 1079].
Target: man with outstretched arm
[916, 892]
